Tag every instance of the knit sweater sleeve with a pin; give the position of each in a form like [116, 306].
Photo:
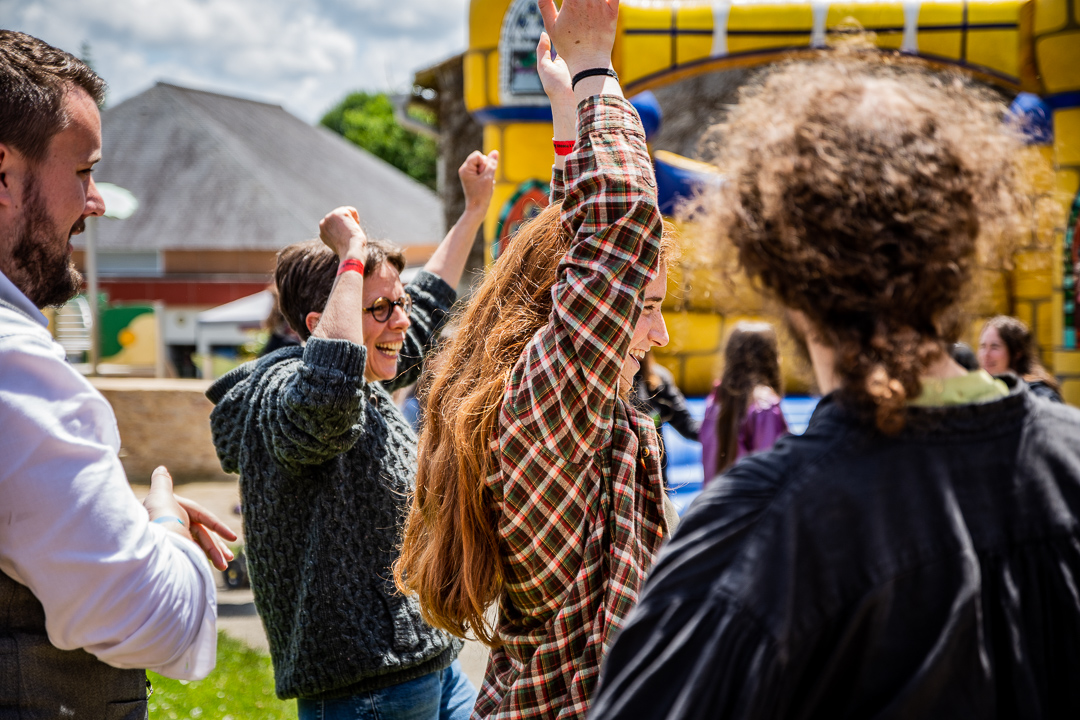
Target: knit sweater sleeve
[308, 409]
[432, 298]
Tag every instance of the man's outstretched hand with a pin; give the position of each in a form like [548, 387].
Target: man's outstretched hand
[196, 522]
[582, 31]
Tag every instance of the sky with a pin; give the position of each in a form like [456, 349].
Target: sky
[302, 54]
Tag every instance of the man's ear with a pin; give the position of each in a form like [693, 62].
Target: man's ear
[6, 161]
[312, 321]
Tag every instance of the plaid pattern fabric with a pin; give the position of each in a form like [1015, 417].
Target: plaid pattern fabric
[578, 484]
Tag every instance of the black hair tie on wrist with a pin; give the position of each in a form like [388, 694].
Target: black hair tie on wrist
[592, 72]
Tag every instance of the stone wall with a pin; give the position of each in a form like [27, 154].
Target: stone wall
[163, 422]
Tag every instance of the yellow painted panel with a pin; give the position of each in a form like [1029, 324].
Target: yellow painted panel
[698, 373]
[529, 152]
[995, 49]
[689, 48]
[941, 13]
[1068, 182]
[1059, 61]
[691, 333]
[1050, 15]
[644, 18]
[493, 79]
[869, 15]
[1057, 322]
[695, 17]
[1044, 325]
[1067, 135]
[940, 44]
[1057, 275]
[771, 17]
[485, 23]
[994, 12]
[493, 140]
[1031, 278]
[1024, 311]
[989, 293]
[1067, 362]
[750, 43]
[1070, 391]
[475, 81]
[141, 345]
[643, 55]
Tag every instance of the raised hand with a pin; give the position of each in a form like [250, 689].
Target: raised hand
[477, 175]
[555, 77]
[582, 31]
[340, 230]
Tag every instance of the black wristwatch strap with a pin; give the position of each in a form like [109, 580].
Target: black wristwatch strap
[592, 72]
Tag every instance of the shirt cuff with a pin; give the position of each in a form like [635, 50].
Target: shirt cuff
[341, 355]
[199, 659]
[601, 113]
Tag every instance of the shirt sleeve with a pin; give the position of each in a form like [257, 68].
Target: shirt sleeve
[125, 590]
[562, 390]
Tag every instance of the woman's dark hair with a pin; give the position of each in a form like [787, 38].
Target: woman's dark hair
[751, 358]
[859, 187]
[306, 271]
[35, 77]
[1023, 359]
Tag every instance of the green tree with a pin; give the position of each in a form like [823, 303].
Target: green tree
[368, 121]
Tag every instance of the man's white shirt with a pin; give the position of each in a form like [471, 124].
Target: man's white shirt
[112, 583]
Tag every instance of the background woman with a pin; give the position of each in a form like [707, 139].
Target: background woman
[742, 414]
[1005, 344]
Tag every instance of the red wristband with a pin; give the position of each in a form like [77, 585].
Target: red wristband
[351, 264]
[563, 147]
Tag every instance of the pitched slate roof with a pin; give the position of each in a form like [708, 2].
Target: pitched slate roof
[214, 172]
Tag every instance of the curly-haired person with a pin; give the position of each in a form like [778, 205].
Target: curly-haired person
[916, 553]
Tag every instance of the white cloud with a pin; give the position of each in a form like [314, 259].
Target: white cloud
[305, 55]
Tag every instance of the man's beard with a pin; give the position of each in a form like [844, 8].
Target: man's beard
[40, 265]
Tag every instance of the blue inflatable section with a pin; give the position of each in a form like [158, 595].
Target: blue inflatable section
[1034, 117]
[648, 109]
[675, 183]
[685, 473]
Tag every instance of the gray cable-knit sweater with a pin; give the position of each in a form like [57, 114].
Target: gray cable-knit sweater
[325, 462]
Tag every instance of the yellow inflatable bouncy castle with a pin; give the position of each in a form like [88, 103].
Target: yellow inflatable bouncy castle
[1029, 48]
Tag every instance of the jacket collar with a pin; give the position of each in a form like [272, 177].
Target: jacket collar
[928, 422]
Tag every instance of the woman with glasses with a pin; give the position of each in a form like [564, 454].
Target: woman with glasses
[326, 461]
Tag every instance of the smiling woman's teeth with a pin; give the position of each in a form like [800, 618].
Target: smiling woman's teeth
[389, 348]
[639, 355]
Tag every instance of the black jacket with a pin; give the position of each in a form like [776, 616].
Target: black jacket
[848, 575]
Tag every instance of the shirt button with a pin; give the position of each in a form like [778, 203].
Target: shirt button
[645, 452]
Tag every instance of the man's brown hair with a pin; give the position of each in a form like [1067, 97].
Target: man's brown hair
[306, 271]
[34, 78]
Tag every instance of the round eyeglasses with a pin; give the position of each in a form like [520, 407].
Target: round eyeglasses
[383, 308]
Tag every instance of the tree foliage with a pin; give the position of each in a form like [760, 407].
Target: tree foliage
[368, 121]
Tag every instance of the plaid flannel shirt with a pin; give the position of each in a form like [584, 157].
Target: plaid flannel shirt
[578, 485]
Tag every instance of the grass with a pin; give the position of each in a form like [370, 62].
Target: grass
[240, 687]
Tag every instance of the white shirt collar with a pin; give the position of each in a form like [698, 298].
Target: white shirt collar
[13, 295]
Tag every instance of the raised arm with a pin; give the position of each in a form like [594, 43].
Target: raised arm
[477, 175]
[564, 388]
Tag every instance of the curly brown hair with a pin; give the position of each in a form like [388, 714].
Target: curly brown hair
[751, 358]
[859, 186]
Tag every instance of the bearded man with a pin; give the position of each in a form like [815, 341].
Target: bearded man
[93, 586]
